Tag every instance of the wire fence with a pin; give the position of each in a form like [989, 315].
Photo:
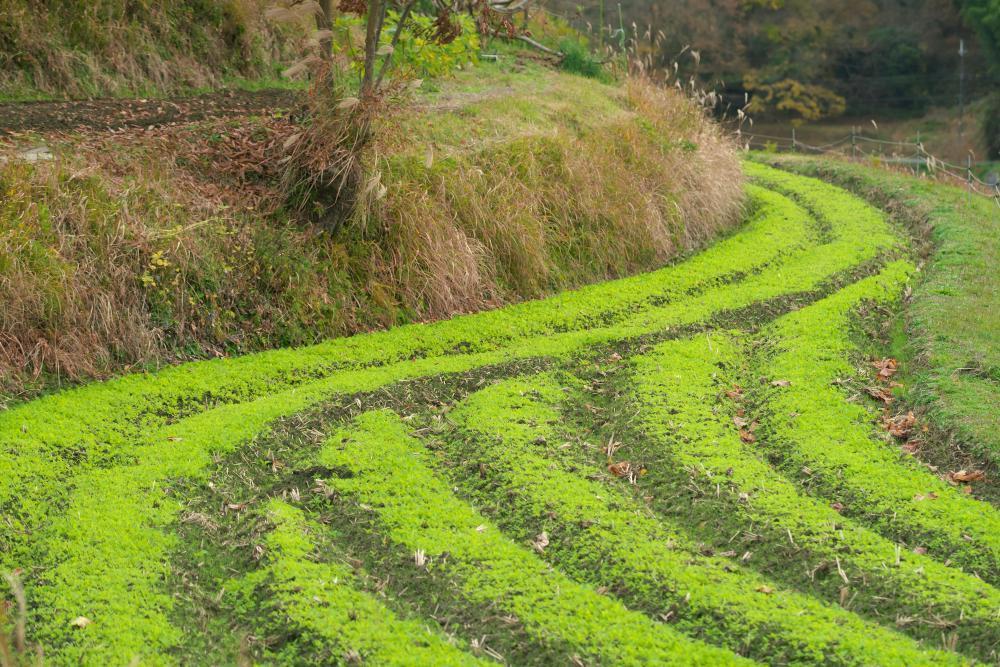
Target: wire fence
[903, 154]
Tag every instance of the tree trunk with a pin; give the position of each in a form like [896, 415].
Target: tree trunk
[373, 30]
[325, 23]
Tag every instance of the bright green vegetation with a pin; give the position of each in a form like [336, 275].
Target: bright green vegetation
[445, 487]
[952, 349]
[383, 468]
[688, 426]
[810, 424]
[606, 537]
[318, 598]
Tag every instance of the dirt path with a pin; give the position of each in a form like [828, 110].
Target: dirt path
[113, 114]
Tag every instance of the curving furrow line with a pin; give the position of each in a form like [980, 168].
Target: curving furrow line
[512, 433]
[739, 499]
[388, 471]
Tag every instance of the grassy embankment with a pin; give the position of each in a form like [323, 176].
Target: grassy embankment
[504, 182]
[331, 465]
[53, 50]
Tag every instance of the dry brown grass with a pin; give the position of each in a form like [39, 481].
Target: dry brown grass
[145, 247]
[114, 47]
[542, 208]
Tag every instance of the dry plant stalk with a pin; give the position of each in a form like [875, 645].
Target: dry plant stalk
[8, 652]
[323, 173]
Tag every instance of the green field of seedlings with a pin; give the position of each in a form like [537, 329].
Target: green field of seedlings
[681, 467]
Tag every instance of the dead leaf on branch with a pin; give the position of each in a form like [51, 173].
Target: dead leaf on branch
[540, 542]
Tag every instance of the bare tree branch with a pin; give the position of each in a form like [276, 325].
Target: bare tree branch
[541, 47]
[400, 25]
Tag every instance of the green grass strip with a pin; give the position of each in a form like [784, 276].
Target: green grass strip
[390, 472]
[953, 323]
[319, 605]
[602, 536]
[678, 388]
[811, 423]
[105, 556]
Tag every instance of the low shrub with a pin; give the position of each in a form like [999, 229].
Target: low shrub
[418, 52]
[577, 58]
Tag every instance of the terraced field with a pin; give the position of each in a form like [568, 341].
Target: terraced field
[675, 468]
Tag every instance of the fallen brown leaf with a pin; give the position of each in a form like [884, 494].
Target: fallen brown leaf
[540, 542]
[965, 476]
[886, 368]
[747, 436]
[900, 426]
[781, 383]
[620, 468]
[880, 394]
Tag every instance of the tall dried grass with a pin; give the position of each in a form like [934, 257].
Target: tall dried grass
[140, 248]
[554, 208]
[115, 47]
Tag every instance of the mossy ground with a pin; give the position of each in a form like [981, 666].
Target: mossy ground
[668, 468]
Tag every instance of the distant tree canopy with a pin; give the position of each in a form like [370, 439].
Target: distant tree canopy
[984, 17]
[814, 58]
